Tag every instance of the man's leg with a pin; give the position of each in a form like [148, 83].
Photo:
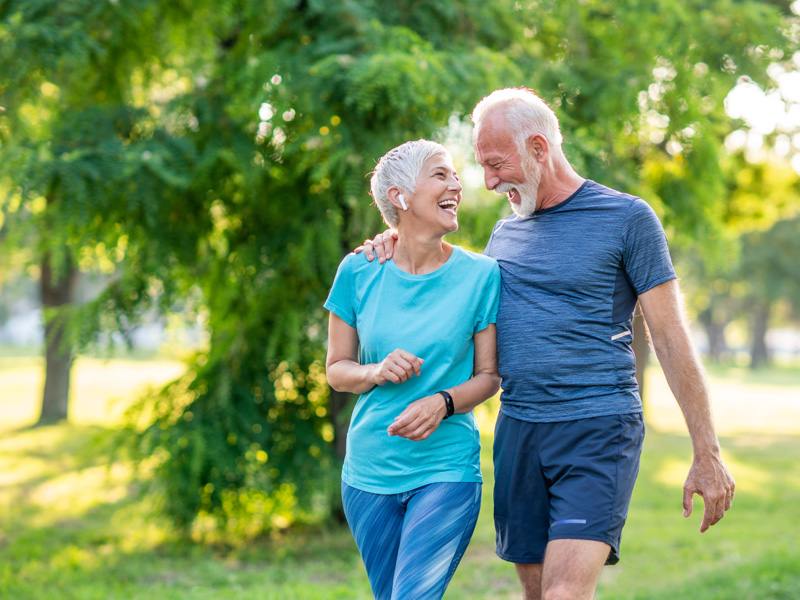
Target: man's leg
[530, 576]
[572, 568]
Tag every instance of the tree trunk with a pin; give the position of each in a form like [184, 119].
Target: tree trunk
[57, 291]
[715, 332]
[341, 406]
[641, 349]
[340, 409]
[759, 353]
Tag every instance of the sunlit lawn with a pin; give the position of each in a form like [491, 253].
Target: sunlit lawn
[71, 527]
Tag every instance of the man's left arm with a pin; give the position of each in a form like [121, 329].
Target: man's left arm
[664, 314]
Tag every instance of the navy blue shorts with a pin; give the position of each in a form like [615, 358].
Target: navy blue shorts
[565, 480]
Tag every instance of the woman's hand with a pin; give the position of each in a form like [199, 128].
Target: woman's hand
[397, 367]
[420, 418]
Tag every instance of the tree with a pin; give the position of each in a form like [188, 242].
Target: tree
[771, 272]
[743, 280]
[88, 172]
[258, 161]
[298, 102]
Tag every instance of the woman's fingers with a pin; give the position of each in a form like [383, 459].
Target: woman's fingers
[400, 365]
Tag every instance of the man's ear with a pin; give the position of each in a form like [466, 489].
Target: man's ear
[537, 146]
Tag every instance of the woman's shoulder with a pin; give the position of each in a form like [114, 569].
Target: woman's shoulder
[477, 260]
[355, 262]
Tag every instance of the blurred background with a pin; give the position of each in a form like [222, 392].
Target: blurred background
[178, 183]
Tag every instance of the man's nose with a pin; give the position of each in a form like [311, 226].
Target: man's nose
[490, 179]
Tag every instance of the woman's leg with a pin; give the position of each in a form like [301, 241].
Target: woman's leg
[439, 522]
[376, 521]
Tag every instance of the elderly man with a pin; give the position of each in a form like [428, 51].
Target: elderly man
[575, 258]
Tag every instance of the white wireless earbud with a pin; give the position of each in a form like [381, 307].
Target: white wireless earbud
[402, 201]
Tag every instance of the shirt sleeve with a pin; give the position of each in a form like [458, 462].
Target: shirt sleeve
[342, 297]
[490, 299]
[646, 253]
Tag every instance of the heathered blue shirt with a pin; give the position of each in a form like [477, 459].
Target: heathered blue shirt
[571, 275]
[435, 317]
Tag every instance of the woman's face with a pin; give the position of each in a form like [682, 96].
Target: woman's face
[438, 194]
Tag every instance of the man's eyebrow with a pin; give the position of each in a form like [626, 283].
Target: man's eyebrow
[489, 160]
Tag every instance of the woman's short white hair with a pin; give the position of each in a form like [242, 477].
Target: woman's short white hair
[400, 168]
[526, 115]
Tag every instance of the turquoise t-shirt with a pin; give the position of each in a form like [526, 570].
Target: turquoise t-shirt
[433, 316]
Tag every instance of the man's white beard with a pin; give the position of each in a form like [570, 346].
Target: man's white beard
[528, 192]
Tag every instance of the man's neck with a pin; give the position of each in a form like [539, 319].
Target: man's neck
[561, 185]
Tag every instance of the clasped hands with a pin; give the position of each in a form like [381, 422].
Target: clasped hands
[420, 418]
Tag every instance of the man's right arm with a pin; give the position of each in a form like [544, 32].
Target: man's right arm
[382, 246]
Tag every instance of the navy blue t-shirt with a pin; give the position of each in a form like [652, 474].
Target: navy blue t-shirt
[571, 275]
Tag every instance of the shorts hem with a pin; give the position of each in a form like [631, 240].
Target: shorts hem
[613, 554]
[520, 560]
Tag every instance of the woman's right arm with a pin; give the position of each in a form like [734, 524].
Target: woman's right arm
[346, 374]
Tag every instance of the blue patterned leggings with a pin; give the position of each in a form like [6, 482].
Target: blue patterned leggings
[411, 543]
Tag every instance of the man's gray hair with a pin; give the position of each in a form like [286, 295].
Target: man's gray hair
[400, 168]
[526, 115]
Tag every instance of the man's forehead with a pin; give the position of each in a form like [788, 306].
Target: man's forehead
[492, 140]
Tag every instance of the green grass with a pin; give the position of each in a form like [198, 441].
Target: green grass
[74, 527]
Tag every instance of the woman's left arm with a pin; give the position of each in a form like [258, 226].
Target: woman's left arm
[422, 417]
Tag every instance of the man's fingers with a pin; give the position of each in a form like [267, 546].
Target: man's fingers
[711, 515]
[687, 502]
[376, 245]
[388, 246]
[367, 248]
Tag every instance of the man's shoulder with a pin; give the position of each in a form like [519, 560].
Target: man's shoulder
[510, 220]
[600, 191]
[616, 205]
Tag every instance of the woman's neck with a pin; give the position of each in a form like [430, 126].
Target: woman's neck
[420, 254]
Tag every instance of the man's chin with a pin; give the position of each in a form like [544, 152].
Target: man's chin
[522, 209]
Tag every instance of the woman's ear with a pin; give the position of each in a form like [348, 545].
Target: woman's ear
[396, 197]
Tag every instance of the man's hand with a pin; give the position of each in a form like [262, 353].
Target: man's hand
[709, 479]
[381, 245]
[420, 419]
[397, 367]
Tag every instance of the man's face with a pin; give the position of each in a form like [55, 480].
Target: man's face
[505, 171]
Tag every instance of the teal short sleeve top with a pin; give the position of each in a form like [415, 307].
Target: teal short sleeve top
[433, 316]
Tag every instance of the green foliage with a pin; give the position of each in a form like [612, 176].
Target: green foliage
[295, 106]
[769, 264]
[640, 87]
[220, 150]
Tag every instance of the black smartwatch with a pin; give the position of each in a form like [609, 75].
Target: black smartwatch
[448, 401]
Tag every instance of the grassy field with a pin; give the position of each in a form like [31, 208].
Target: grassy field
[73, 527]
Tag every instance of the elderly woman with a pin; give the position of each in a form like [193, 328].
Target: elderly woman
[415, 337]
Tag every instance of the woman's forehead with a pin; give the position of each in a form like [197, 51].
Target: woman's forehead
[440, 160]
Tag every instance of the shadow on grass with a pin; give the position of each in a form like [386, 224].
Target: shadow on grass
[74, 527]
[751, 553]
[73, 521]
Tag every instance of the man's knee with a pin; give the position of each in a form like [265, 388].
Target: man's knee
[530, 576]
[560, 592]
